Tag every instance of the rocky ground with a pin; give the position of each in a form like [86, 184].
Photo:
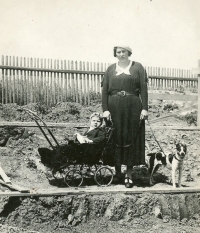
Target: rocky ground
[21, 162]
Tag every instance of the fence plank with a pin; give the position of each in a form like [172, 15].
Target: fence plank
[17, 81]
[174, 97]
[62, 82]
[31, 81]
[84, 79]
[88, 78]
[13, 78]
[79, 81]
[3, 82]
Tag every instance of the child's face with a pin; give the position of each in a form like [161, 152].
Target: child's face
[95, 122]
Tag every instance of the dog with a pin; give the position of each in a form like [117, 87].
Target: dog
[172, 161]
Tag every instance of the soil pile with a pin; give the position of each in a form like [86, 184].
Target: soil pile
[21, 162]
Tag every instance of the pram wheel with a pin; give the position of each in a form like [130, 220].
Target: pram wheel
[59, 173]
[73, 178]
[103, 176]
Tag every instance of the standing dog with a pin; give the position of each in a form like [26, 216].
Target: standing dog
[173, 161]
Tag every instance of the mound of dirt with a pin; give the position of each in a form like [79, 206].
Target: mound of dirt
[21, 162]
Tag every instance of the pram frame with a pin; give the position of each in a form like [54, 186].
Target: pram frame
[99, 177]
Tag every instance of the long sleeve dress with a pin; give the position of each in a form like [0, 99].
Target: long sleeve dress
[129, 134]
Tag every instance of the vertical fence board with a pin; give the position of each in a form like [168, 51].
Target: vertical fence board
[88, 78]
[84, 79]
[65, 83]
[6, 76]
[31, 81]
[17, 81]
[62, 81]
[13, 78]
[80, 84]
[3, 81]
[25, 86]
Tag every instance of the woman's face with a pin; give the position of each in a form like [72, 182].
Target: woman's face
[122, 54]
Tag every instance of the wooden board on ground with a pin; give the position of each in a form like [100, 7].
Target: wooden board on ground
[106, 190]
[49, 124]
[4, 176]
[15, 187]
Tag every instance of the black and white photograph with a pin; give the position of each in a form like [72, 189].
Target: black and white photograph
[100, 116]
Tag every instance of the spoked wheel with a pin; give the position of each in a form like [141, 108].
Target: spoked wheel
[73, 178]
[59, 173]
[103, 176]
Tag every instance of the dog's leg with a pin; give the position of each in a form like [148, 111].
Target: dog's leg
[174, 177]
[154, 170]
[180, 176]
[151, 181]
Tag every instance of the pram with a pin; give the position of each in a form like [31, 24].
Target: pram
[75, 162]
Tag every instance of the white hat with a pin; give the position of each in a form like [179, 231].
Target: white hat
[124, 47]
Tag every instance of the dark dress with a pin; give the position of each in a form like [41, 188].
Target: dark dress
[125, 112]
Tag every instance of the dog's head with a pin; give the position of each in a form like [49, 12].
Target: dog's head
[181, 150]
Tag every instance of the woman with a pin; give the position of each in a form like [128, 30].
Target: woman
[125, 101]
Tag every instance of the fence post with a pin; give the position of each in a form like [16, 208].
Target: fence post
[198, 113]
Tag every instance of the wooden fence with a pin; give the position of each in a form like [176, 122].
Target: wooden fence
[27, 80]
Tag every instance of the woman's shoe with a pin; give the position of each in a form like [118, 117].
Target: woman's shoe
[128, 182]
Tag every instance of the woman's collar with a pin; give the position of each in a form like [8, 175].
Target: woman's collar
[121, 70]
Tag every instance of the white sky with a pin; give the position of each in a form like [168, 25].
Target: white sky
[161, 33]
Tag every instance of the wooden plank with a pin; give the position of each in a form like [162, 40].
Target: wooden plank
[172, 128]
[15, 187]
[25, 83]
[196, 71]
[3, 82]
[61, 83]
[119, 189]
[33, 124]
[65, 88]
[80, 125]
[10, 82]
[17, 81]
[4, 176]
[14, 86]
[50, 70]
[159, 96]
[6, 86]
[51, 85]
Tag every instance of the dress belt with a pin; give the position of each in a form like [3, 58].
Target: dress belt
[122, 93]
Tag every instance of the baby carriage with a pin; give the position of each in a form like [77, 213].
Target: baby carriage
[75, 162]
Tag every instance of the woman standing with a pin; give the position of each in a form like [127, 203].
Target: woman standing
[125, 101]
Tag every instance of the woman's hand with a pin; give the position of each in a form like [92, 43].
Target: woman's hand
[144, 115]
[107, 115]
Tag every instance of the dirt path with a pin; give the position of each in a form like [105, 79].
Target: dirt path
[21, 162]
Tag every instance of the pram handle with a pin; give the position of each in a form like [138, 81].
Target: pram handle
[35, 117]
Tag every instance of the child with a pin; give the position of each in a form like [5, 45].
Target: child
[94, 134]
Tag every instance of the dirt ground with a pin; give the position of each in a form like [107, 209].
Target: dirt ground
[21, 162]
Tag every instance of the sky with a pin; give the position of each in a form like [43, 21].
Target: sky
[161, 33]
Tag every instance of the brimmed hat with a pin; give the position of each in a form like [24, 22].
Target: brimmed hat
[124, 47]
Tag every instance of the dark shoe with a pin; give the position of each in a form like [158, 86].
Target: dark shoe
[128, 182]
[117, 180]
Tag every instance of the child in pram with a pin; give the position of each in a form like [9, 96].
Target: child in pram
[90, 144]
[94, 134]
